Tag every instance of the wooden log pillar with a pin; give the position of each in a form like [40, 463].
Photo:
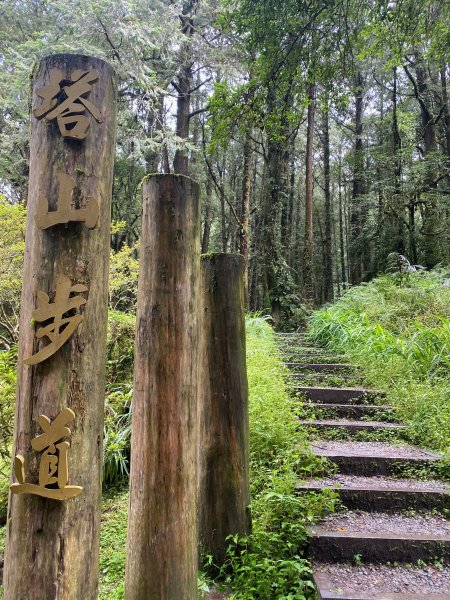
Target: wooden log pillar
[53, 545]
[162, 526]
[224, 496]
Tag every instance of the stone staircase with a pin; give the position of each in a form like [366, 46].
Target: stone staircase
[391, 540]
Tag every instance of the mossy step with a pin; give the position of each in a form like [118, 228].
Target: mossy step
[356, 411]
[336, 395]
[328, 367]
[323, 377]
[374, 494]
[352, 426]
[383, 547]
[373, 458]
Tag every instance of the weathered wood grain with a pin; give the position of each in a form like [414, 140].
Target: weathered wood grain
[224, 495]
[162, 529]
[52, 546]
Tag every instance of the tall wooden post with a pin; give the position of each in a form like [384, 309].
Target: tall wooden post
[224, 495]
[162, 526]
[52, 545]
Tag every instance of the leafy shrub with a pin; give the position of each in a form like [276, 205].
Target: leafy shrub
[123, 278]
[120, 347]
[12, 248]
[117, 433]
[401, 337]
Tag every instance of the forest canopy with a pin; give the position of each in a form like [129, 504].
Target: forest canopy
[319, 130]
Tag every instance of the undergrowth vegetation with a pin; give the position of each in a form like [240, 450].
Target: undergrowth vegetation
[398, 331]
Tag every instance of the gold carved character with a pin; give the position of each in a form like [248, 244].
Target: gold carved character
[69, 115]
[54, 464]
[64, 212]
[61, 328]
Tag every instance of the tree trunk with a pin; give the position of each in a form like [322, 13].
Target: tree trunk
[245, 212]
[431, 218]
[224, 437]
[328, 266]
[52, 546]
[397, 147]
[209, 215]
[309, 188]
[162, 526]
[341, 228]
[356, 244]
[181, 159]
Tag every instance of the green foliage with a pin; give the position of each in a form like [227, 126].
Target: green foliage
[123, 278]
[113, 535]
[12, 248]
[401, 338]
[7, 400]
[8, 362]
[117, 433]
[120, 347]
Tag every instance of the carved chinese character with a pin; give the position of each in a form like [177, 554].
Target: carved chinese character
[61, 328]
[73, 102]
[54, 465]
[64, 212]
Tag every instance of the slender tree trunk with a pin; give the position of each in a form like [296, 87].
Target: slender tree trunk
[245, 212]
[431, 218]
[209, 215]
[181, 160]
[53, 545]
[309, 189]
[445, 104]
[397, 147]
[341, 230]
[224, 495]
[328, 256]
[162, 554]
[356, 243]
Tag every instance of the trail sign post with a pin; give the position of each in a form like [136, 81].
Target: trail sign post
[54, 507]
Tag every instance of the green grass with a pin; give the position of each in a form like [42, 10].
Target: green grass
[113, 544]
[400, 336]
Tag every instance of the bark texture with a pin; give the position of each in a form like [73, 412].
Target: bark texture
[224, 496]
[162, 528]
[52, 546]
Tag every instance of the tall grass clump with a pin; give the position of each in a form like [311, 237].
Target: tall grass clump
[398, 331]
[270, 563]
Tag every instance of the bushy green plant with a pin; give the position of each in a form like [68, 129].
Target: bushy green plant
[12, 248]
[120, 347]
[400, 335]
[117, 433]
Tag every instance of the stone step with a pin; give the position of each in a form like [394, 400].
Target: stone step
[334, 395]
[372, 458]
[310, 366]
[355, 411]
[352, 426]
[311, 355]
[380, 582]
[374, 494]
[322, 377]
[340, 546]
